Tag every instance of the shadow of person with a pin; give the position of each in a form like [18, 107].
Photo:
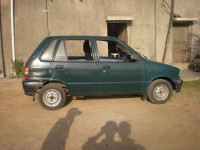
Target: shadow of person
[108, 143]
[127, 143]
[58, 135]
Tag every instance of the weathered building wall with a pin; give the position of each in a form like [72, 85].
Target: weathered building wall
[89, 18]
[1, 57]
[30, 29]
[30, 26]
[147, 31]
[162, 25]
[6, 35]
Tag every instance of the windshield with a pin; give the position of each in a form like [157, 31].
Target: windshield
[143, 56]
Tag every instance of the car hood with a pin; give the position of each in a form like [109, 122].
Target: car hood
[158, 69]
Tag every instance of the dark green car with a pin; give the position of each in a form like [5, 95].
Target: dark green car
[92, 65]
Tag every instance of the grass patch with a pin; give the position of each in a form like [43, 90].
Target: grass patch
[192, 84]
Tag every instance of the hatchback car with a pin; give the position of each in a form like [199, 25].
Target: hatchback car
[93, 65]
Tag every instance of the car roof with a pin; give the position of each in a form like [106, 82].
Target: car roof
[83, 37]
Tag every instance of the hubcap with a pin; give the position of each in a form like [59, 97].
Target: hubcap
[161, 92]
[51, 97]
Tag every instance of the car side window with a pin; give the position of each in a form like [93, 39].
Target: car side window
[111, 51]
[48, 53]
[61, 54]
[74, 50]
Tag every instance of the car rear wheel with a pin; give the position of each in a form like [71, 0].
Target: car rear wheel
[52, 97]
[159, 91]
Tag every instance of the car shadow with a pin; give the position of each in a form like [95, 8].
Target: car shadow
[109, 130]
[68, 100]
[103, 97]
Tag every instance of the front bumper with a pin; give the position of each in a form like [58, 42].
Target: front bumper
[178, 84]
[31, 87]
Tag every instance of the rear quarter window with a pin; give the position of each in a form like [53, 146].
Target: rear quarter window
[48, 53]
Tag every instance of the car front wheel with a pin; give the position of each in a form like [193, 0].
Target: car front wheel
[159, 91]
[52, 97]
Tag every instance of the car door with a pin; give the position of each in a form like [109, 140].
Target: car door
[116, 74]
[74, 65]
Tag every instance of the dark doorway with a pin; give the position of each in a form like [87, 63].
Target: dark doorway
[118, 30]
[181, 51]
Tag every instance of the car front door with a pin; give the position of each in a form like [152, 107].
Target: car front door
[119, 70]
[73, 64]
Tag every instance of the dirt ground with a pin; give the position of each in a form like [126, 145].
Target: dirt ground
[99, 123]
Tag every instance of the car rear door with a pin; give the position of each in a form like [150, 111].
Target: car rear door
[74, 65]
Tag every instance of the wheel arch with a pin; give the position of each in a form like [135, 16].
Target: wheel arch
[164, 78]
[55, 82]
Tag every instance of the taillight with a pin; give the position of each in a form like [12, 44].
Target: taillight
[26, 70]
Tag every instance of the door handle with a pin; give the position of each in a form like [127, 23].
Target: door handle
[106, 67]
[59, 66]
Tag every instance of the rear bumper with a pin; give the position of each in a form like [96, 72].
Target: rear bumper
[178, 84]
[31, 87]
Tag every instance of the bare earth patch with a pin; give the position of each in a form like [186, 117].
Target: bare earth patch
[99, 122]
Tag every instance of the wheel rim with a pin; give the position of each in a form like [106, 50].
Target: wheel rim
[52, 97]
[161, 92]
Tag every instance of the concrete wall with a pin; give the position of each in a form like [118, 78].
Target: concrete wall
[30, 29]
[88, 17]
[1, 57]
[6, 34]
[146, 32]
[162, 25]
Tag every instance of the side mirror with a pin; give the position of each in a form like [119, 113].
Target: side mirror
[134, 58]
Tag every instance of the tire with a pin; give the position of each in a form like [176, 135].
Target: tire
[52, 97]
[159, 91]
